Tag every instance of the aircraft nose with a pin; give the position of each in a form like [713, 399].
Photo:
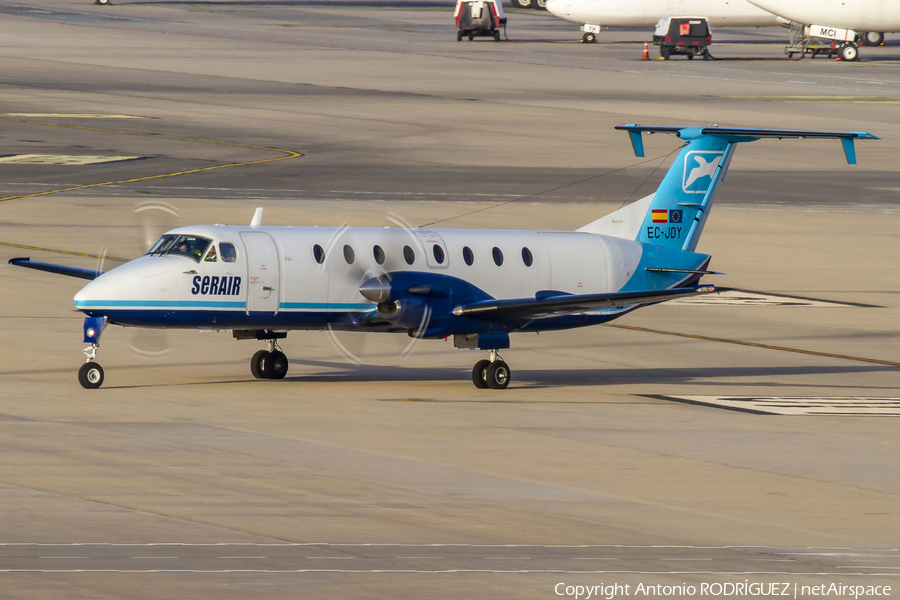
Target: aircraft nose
[376, 289]
[558, 7]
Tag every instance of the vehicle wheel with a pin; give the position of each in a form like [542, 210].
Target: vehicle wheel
[459, 36]
[256, 364]
[496, 35]
[471, 37]
[589, 38]
[540, 4]
[497, 375]
[90, 375]
[707, 55]
[103, 2]
[665, 52]
[849, 52]
[690, 56]
[276, 365]
[521, 3]
[873, 38]
[479, 377]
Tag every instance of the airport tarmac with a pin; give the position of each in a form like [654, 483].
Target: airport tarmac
[751, 439]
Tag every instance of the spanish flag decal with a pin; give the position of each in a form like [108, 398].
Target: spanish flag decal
[660, 215]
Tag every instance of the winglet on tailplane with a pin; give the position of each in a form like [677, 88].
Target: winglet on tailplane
[674, 216]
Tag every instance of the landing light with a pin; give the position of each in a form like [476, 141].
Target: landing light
[90, 332]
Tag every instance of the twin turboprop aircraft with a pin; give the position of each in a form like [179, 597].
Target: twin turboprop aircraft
[478, 286]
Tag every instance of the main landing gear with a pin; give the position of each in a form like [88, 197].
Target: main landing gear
[493, 373]
[269, 364]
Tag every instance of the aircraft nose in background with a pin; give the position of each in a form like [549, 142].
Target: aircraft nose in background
[559, 7]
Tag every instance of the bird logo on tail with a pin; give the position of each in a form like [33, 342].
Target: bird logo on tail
[696, 168]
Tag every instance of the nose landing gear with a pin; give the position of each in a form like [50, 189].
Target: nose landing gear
[90, 375]
[493, 373]
[269, 364]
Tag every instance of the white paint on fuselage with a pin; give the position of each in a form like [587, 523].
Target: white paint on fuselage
[860, 15]
[646, 13]
[573, 262]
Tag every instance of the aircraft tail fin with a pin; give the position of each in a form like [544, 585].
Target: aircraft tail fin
[675, 216]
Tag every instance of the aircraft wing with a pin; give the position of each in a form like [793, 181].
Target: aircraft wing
[58, 269]
[548, 304]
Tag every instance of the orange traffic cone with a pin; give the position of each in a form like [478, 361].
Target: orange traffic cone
[646, 54]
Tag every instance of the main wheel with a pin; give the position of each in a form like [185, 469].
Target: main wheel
[589, 38]
[479, 375]
[90, 375]
[256, 364]
[541, 4]
[275, 366]
[522, 3]
[849, 52]
[497, 375]
[459, 36]
[873, 38]
[103, 2]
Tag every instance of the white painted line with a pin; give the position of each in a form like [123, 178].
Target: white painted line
[417, 557]
[785, 549]
[593, 558]
[506, 557]
[742, 298]
[146, 557]
[687, 559]
[330, 557]
[444, 571]
[63, 557]
[61, 159]
[69, 116]
[796, 405]
[242, 557]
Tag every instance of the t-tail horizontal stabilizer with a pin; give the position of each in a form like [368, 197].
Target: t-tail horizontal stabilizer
[679, 209]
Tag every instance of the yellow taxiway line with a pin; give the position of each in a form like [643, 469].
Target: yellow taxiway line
[757, 345]
[288, 154]
[69, 252]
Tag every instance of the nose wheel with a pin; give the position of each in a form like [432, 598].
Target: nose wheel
[90, 375]
[269, 364]
[491, 374]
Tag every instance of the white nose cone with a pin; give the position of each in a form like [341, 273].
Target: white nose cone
[560, 8]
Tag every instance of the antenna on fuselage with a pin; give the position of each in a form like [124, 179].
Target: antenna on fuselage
[257, 218]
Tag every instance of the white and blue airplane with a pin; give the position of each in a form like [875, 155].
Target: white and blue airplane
[478, 286]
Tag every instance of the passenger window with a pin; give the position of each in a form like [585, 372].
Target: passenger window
[318, 254]
[378, 252]
[211, 255]
[349, 255]
[408, 255]
[468, 256]
[527, 258]
[438, 254]
[228, 252]
[498, 256]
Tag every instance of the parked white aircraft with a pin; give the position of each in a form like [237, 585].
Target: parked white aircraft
[865, 19]
[594, 14]
[477, 286]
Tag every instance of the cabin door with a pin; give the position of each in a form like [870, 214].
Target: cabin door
[263, 272]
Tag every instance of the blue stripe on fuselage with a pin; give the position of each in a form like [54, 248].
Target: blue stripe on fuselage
[152, 304]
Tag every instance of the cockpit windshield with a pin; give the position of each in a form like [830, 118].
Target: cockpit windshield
[191, 246]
